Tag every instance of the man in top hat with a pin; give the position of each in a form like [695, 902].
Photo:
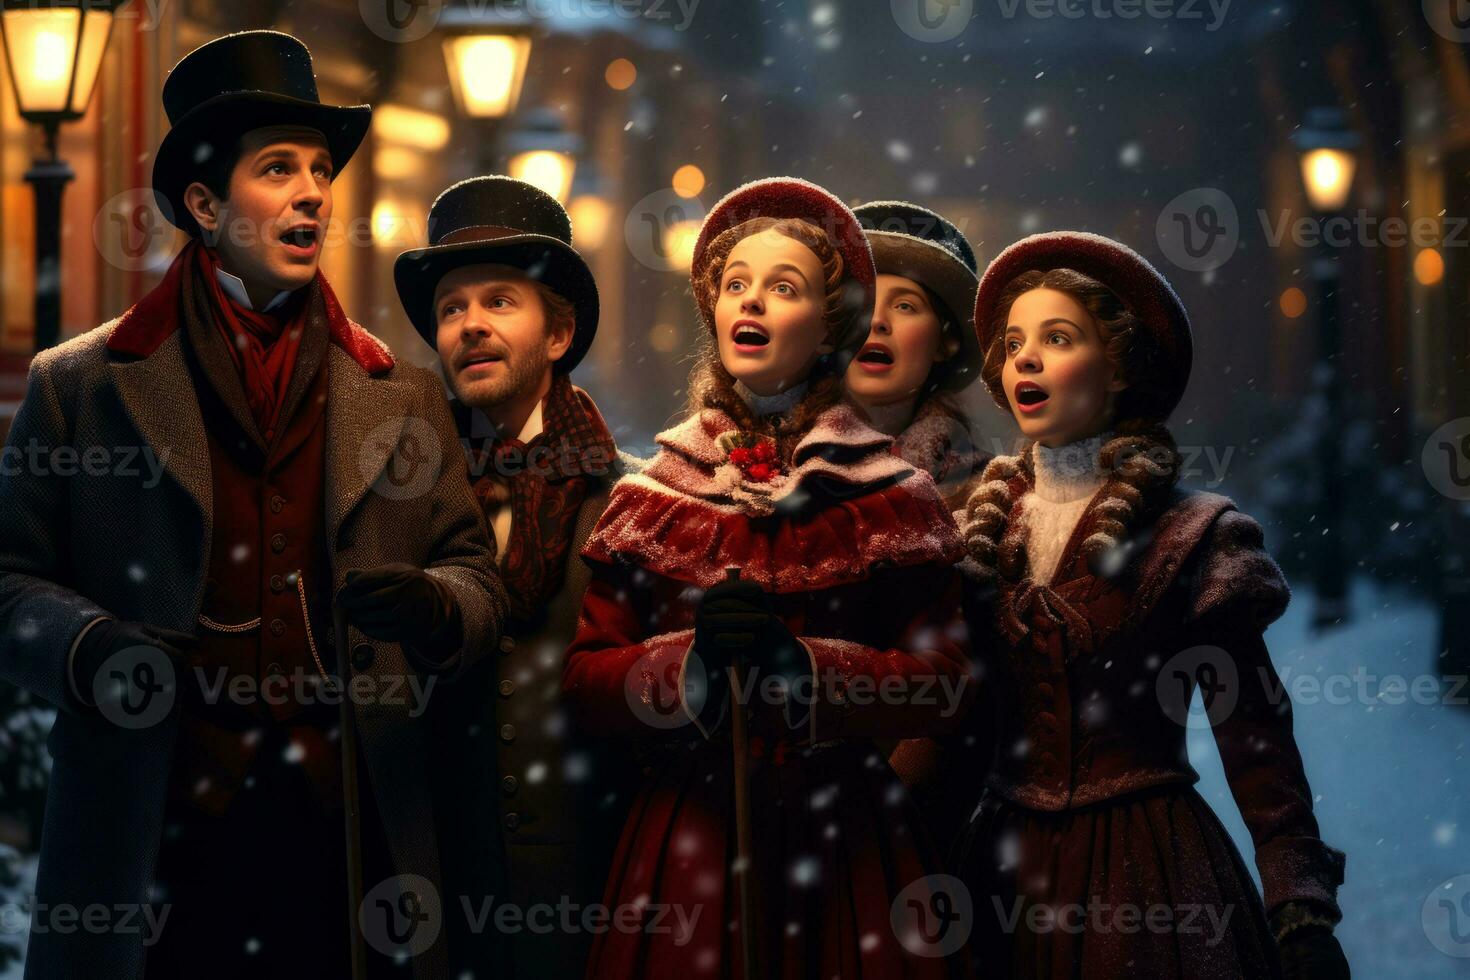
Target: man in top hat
[183, 623]
[512, 308]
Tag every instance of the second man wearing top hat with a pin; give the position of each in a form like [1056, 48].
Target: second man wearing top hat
[511, 309]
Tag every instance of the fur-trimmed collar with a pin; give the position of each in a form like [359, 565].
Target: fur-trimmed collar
[150, 321]
[846, 505]
[839, 450]
[1142, 468]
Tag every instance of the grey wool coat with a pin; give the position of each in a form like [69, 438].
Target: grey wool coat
[135, 545]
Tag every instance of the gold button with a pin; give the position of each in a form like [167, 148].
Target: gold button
[507, 733]
[507, 644]
[507, 688]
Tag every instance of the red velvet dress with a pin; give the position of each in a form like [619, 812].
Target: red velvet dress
[1090, 837]
[859, 551]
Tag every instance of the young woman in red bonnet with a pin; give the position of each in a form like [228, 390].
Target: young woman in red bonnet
[1111, 593]
[846, 578]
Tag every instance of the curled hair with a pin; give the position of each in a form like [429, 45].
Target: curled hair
[1127, 343]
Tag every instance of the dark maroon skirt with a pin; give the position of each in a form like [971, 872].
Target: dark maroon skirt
[1147, 885]
[844, 866]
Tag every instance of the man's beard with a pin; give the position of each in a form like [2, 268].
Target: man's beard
[521, 372]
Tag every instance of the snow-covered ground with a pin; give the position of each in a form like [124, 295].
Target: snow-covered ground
[1392, 781]
[15, 924]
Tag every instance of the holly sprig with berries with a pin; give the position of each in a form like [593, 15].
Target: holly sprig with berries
[753, 455]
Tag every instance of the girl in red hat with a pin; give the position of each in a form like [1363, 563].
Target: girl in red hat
[1112, 594]
[774, 529]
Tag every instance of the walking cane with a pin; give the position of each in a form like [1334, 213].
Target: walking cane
[744, 871]
[350, 801]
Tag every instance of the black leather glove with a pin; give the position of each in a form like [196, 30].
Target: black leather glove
[1313, 954]
[736, 619]
[111, 636]
[398, 603]
[1308, 950]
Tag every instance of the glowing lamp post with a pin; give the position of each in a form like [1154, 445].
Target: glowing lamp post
[54, 51]
[544, 154]
[486, 71]
[1328, 163]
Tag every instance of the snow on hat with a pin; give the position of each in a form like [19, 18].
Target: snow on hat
[792, 197]
[1140, 287]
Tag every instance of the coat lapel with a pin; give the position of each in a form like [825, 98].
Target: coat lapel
[365, 419]
[158, 395]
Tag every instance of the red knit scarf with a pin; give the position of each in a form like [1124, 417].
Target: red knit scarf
[262, 345]
[544, 482]
[154, 318]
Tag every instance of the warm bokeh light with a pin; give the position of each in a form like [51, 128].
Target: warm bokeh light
[546, 169]
[397, 163]
[1428, 267]
[679, 240]
[663, 337]
[620, 74]
[43, 48]
[1293, 303]
[389, 223]
[688, 180]
[590, 216]
[486, 72]
[411, 127]
[1328, 174]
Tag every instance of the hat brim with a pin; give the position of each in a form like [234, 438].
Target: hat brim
[930, 265]
[548, 260]
[213, 127]
[1141, 288]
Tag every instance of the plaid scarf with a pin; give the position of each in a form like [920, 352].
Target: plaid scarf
[544, 482]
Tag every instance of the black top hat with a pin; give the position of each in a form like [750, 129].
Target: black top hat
[230, 86]
[917, 244]
[503, 221]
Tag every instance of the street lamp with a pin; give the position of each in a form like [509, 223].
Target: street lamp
[1328, 163]
[544, 154]
[486, 71]
[54, 50]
